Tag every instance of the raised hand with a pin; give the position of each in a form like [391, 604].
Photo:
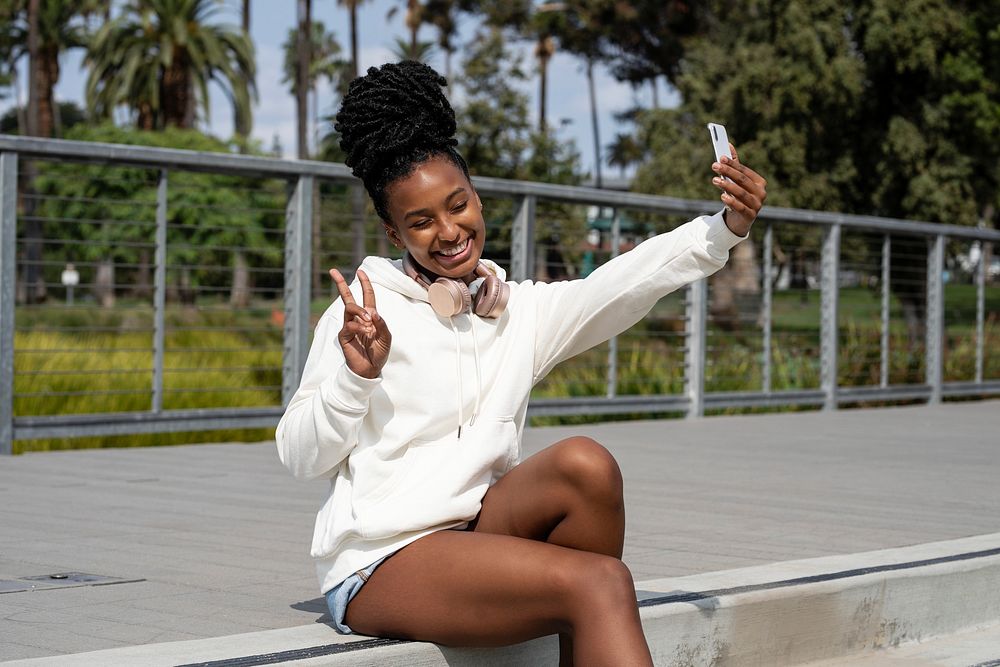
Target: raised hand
[743, 194]
[364, 337]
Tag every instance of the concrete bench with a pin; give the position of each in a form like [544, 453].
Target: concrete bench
[787, 613]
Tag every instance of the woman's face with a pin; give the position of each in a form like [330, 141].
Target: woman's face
[435, 211]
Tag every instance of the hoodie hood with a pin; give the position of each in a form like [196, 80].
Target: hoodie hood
[389, 273]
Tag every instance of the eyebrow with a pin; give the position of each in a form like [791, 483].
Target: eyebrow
[424, 211]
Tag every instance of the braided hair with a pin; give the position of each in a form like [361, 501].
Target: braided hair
[393, 119]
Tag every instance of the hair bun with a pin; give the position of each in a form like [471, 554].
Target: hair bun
[394, 109]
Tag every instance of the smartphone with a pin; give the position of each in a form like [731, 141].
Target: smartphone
[720, 141]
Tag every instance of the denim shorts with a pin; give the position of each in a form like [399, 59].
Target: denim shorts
[341, 594]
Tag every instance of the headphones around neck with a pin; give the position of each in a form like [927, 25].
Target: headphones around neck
[450, 296]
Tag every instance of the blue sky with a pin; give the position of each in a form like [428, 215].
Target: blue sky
[274, 114]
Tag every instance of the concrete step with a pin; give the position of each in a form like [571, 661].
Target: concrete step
[977, 648]
[789, 613]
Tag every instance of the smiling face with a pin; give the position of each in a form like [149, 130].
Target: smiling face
[435, 212]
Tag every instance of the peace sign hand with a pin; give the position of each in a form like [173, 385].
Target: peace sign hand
[364, 337]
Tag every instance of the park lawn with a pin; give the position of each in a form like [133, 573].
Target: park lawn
[86, 359]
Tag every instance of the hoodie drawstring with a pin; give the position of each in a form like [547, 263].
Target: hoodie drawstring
[479, 378]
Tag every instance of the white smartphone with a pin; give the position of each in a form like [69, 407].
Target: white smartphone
[720, 141]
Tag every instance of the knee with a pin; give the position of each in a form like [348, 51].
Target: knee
[591, 469]
[601, 583]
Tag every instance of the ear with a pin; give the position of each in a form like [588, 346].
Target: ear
[393, 235]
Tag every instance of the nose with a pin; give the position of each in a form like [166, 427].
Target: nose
[448, 230]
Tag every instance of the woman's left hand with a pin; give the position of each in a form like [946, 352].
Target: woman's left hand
[743, 194]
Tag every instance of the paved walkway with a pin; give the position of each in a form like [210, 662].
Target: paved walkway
[219, 534]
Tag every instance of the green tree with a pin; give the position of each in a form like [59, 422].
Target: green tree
[404, 50]
[494, 129]
[61, 25]
[325, 62]
[158, 58]
[213, 220]
[870, 107]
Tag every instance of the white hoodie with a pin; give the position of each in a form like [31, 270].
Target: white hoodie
[414, 450]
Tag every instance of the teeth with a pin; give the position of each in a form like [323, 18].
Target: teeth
[451, 252]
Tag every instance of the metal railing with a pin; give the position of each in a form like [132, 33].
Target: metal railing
[692, 331]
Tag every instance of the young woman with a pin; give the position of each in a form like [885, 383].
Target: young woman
[414, 396]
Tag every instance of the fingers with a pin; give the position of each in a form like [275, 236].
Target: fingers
[345, 291]
[367, 291]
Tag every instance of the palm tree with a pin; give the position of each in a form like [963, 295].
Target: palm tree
[242, 124]
[441, 14]
[43, 31]
[625, 151]
[303, 55]
[159, 56]
[414, 17]
[357, 193]
[324, 64]
[420, 52]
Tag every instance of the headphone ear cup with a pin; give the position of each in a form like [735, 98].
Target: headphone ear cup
[491, 300]
[449, 297]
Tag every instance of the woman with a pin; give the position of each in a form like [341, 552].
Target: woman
[414, 408]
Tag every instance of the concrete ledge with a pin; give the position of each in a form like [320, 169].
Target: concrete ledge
[780, 614]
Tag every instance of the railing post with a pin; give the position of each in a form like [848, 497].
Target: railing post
[522, 240]
[8, 277]
[935, 316]
[616, 242]
[160, 291]
[694, 347]
[767, 306]
[981, 307]
[298, 271]
[884, 343]
[828, 316]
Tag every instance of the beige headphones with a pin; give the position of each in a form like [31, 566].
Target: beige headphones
[450, 297]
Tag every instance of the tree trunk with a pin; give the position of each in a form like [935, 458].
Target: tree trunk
[34, 285]
[146, 119]
[303, 45]
[34, 69]
[736, 288]
[656, 93]
[239, 297]
[186, 290]
[241, 124]
[354, 41]
[22, 116]
[358, 223]
[413, 23]
[317, 241]
[48, 73]
[144, 276]
[175, 90]
[544, 52]
[104, 283]
[593, 120]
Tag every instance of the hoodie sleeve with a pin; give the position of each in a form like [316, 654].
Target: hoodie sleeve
[321, 423]
[576, 315]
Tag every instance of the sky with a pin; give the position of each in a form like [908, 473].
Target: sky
[274, 112]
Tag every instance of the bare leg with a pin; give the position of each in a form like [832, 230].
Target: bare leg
[461, 588]
[569, 494]
[500, 582]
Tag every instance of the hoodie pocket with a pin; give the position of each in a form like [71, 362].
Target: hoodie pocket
[435, 482]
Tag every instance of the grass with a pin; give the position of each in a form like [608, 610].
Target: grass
[86, 359]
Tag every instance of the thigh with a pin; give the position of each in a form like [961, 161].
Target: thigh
[461, 588]
[534, 496]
